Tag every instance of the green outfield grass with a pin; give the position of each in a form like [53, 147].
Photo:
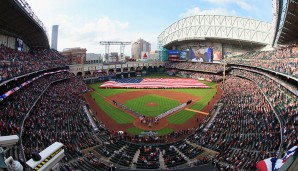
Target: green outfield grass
[116, 114]
[181, 117]
[140, 104]
[205, 94]
[137, 131]
[164, 104]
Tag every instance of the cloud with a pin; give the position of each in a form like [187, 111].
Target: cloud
[241, 3]
[215, 11]
[86, 32]
[244, 5]
[77, 30]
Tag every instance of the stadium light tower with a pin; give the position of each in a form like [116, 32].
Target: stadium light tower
[107, 47]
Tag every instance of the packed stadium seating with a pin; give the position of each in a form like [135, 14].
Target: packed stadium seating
[14, 63]
[283, 60]
[15, 107]
[284, 102]
[245, 130]
[65, 110]
[255, 118]
[254, 133]
[207, 67]
[252, 137]
[198, 75]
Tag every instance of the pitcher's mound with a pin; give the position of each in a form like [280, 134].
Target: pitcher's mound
[151, 104]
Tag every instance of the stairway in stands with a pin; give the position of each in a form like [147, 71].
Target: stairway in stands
[135, 159]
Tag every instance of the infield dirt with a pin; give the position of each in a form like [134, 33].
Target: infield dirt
[163, 123]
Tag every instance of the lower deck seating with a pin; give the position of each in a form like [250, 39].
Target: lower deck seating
[109, 149]
[148, 158]
[187, 149]
[86, 163]
[171, 157]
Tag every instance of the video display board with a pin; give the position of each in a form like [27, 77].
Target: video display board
[201, 52]
[174, 55]
[206, 52]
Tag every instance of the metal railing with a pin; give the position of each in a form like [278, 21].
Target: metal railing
[27, 8]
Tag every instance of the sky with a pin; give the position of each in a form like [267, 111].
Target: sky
[84, 23]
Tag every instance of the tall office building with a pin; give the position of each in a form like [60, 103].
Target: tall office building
[54, 37]
[140, 47]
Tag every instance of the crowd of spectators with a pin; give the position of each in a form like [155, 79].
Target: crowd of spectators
[15, 107]
[283, 60]
[195, 66]
[284, 101]
[152, 138]
[198, 75]
[59, 116]
[14, 63]
[245, 130]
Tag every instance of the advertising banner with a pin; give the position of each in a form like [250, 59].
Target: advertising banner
[145, 55]
[111, 66]
[173, 55]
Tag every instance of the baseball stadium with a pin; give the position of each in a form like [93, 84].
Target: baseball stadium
[222, 95]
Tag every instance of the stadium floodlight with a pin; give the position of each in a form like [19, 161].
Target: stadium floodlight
[49, 158]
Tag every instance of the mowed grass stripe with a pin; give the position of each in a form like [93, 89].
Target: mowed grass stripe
[134, 130]
[138, 131]
[196, 92]
[165, 131]
[140, 104]
[181, 117]
[116, 114]
[204, 101]
[205, 94]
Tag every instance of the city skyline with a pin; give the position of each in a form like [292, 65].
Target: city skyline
[138, 47]
[86, 23]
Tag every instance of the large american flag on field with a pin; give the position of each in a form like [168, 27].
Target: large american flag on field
[154, 83]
